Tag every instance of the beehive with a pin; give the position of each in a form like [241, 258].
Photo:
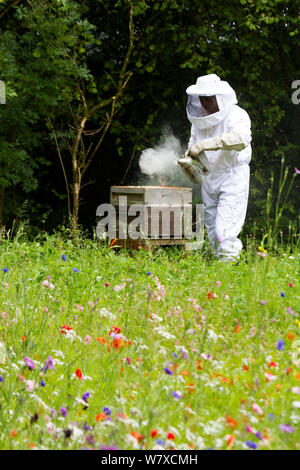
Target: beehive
[155, 200]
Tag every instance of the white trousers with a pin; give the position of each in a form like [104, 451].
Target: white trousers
[225, 199]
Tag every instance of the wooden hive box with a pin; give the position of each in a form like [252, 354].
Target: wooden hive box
[156, 199]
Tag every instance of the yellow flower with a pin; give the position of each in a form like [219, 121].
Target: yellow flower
[261, 249]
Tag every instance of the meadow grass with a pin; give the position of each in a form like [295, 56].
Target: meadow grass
[167, 350]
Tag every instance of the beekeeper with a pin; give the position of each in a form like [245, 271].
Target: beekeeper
[220, 141]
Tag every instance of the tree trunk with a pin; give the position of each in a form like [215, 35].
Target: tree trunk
[75, 193]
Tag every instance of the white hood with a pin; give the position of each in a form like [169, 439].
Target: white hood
[197, 114]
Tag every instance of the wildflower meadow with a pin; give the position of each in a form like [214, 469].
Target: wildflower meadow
[106, 349]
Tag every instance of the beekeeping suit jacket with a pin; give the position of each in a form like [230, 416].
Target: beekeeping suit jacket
[225, 186]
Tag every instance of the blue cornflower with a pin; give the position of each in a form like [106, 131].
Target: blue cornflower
[4, 270]
[42, 383]
[176, 395]
[282, 294]
[174, 355]
[1, 378]
[160, 442]
[75, 270]
[251, 444]
[148, 272]
[85, 396]
[168, 371]
[280, 345]
[63, 257]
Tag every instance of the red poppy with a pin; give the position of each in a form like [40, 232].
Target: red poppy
[79, 373]
[211, 295]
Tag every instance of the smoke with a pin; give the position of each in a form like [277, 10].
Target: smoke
[159, 164]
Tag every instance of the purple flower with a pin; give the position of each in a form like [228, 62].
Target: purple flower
[63, 257]
[85, 396]
[259, 435]
[282, 294]
[29, 363]
[48, 364]
[107, 411]
[286, 428]
[251, 444]
[109, 448]
[1, 378]
[87, 427]
[63, 411]
[271, 416]
[168, 371]
[297, 171]
[148, 273]
[184, 354]
[291, 311]
[160, 442]
[53, 412]
[174, 355]
[176, 395]
[280, 345]
[42, 383]
[75, 270]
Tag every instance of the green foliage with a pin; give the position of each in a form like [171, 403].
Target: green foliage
[49, 48]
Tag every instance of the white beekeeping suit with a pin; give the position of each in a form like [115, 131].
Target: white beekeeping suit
[221, 141]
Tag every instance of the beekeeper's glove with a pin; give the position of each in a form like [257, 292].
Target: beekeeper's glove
[227, 141]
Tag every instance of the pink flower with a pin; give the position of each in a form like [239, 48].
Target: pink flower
[257, 409]
[290, 284]
[48, 284]
[218, 283]
[6, 285]
[118, 288]
[297, 171]
[30, 385]
[51, 428]
[87, 339]
[160, 293]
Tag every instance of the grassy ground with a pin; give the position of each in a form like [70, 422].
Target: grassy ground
[165, 350]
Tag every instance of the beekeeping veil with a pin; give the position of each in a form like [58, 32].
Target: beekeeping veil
[209, 85]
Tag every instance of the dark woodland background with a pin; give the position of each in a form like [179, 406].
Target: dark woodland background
[121, 68]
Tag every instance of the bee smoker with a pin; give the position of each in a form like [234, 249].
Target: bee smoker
[194, 169]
